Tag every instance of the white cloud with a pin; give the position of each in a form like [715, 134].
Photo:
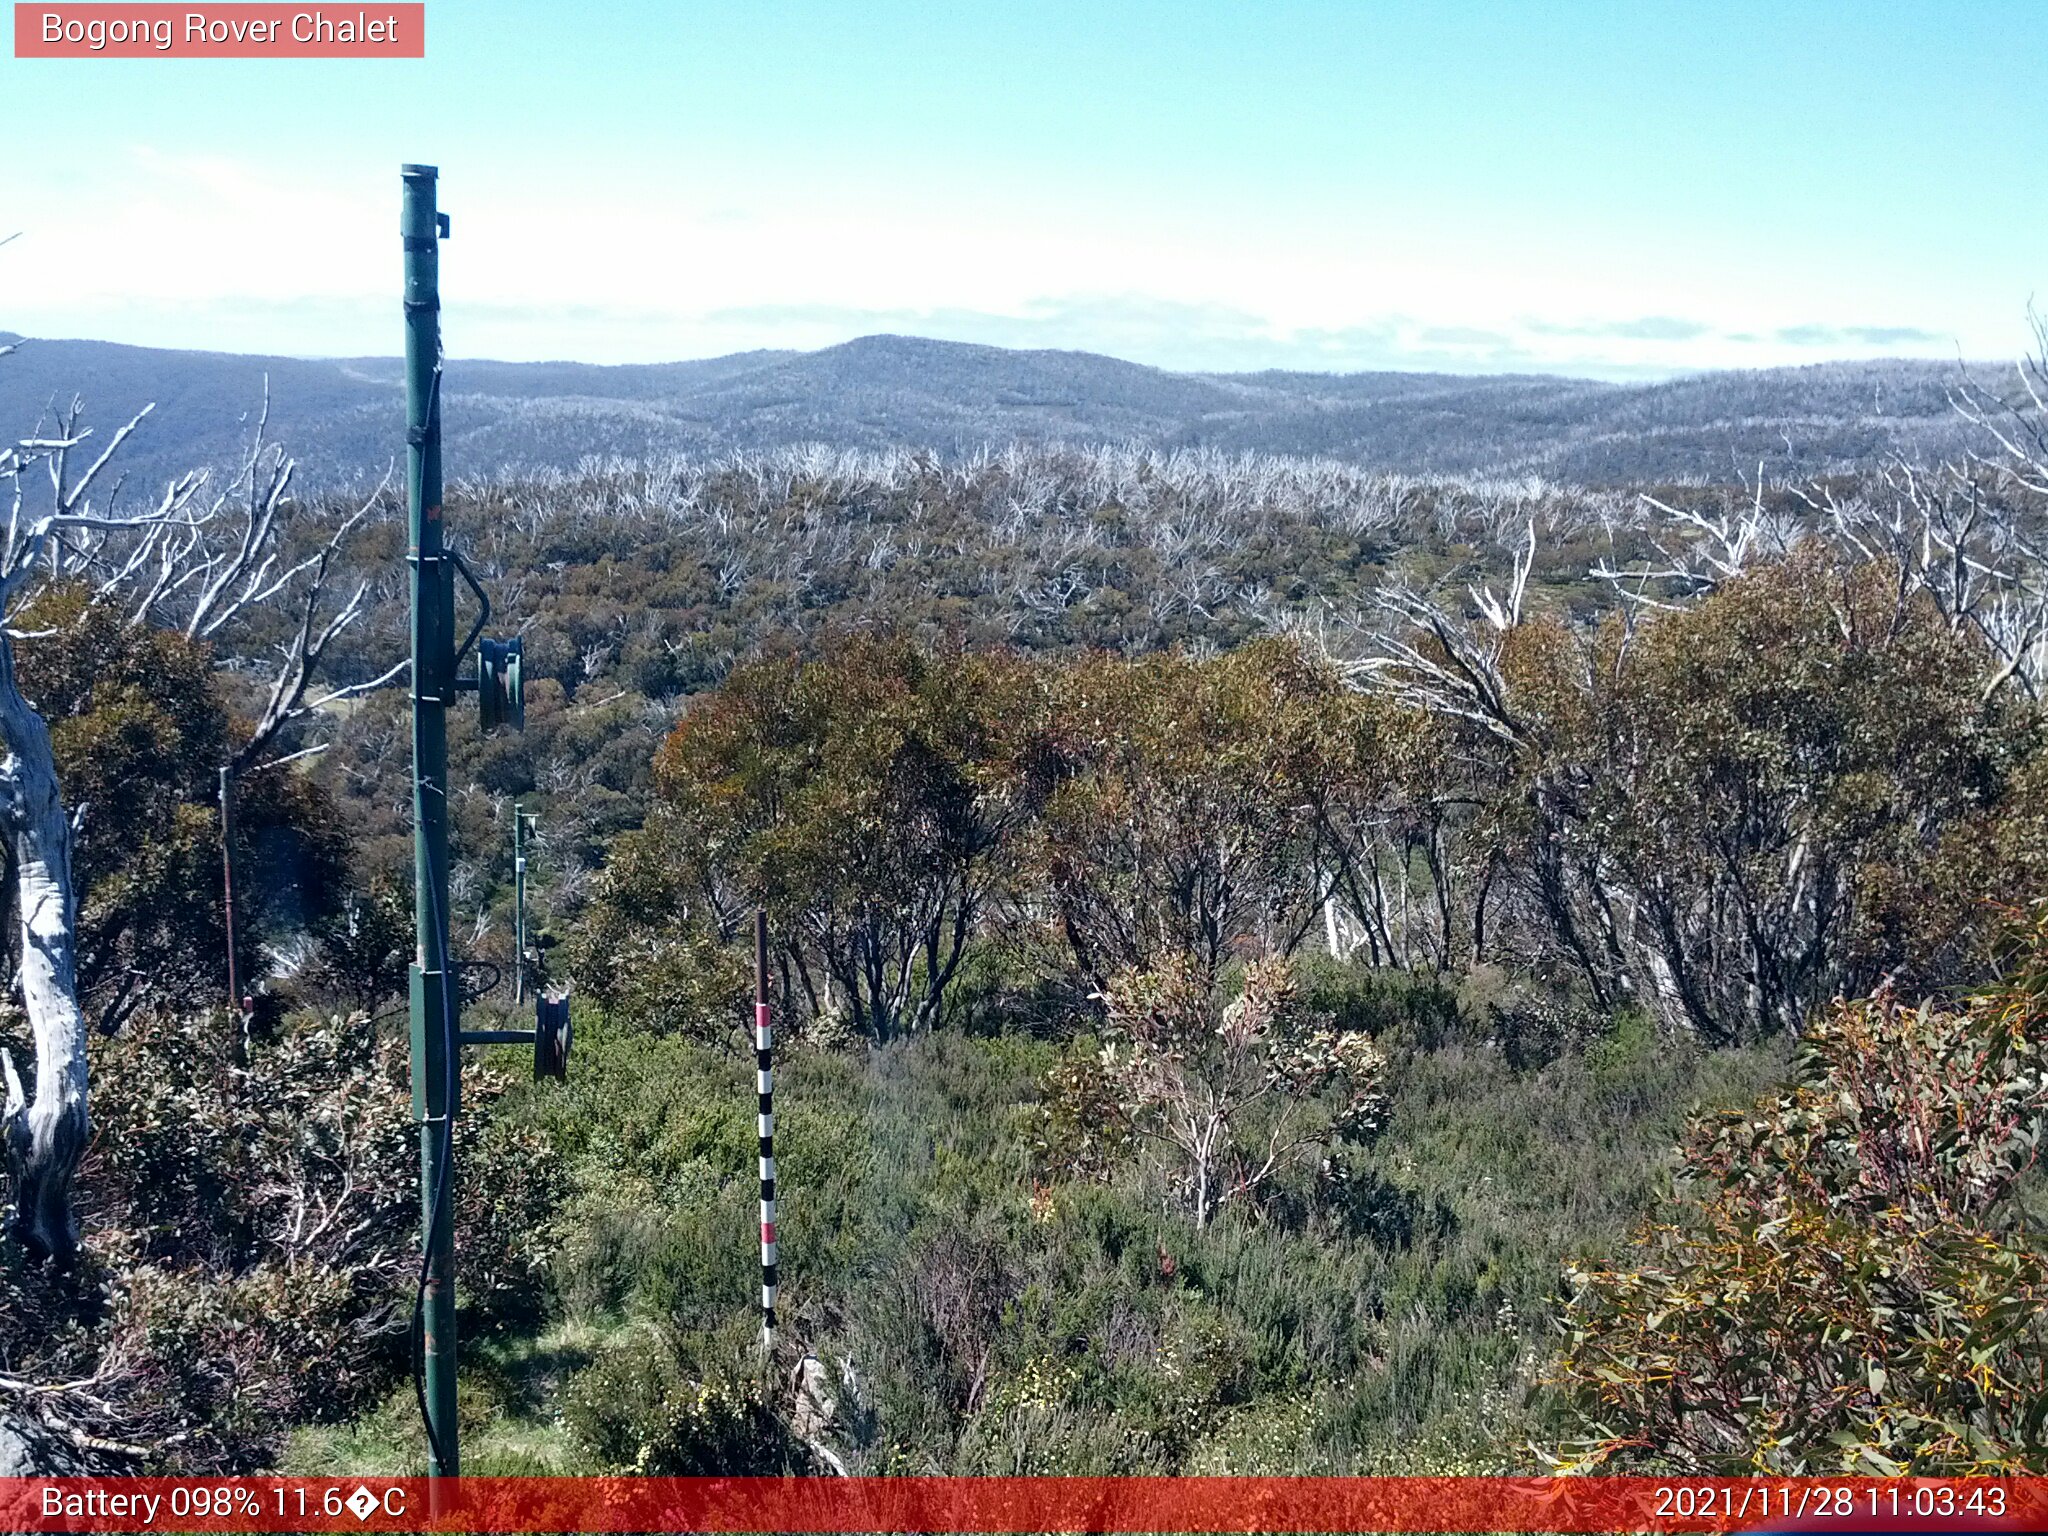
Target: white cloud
[230, 253]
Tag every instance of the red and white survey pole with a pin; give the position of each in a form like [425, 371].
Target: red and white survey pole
[764, 1087]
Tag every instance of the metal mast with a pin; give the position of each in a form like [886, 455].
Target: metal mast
[498, 682]
[435, 1052]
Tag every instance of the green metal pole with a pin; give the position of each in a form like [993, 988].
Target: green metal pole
[434, 1020]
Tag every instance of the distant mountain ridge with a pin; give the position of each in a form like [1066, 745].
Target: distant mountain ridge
[343, 418]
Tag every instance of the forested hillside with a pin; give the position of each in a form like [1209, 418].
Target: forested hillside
[1285, 965]
[889, 392]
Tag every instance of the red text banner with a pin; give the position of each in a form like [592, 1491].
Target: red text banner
[1160, 1504]
[238, 31]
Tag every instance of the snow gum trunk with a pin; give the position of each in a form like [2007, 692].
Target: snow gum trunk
[46, 1135]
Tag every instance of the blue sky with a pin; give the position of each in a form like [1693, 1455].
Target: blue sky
[1613, 189]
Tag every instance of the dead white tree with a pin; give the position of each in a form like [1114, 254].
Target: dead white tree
[1955, 536]
[201, 562]
[1969, 535]
[241, 549]
[2016, 421]
[1709, 549]
[46, 1137]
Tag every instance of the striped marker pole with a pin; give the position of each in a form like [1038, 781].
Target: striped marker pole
[764, 1085]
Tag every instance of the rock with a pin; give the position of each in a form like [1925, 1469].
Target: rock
[831, 1405]
[816, 1404]
[28, 1449]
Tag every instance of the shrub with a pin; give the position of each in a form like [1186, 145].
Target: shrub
[1229, 1091]
[1843, 1280]
[253, 1232]
[644, 1408]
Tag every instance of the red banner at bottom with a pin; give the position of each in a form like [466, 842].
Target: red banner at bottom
[992, 1504]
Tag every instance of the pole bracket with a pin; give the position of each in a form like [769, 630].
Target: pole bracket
[483, 599]
[497, 1036]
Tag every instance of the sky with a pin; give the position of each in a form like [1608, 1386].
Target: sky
[1614, 190]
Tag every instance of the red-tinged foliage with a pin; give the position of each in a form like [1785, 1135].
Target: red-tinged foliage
[1845, 1279]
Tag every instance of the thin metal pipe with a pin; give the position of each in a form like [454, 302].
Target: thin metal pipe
[227, 880]
[497, 1037]
[518, 904]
